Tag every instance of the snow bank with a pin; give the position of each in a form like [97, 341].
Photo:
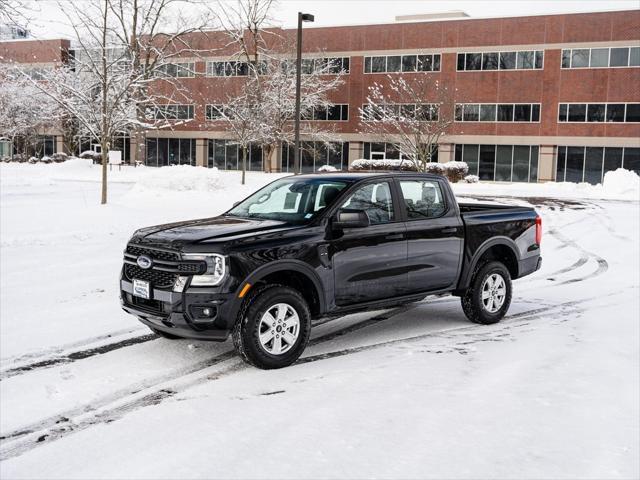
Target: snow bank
[180, 178]
[622, 182]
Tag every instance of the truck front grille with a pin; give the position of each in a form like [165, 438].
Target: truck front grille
[166, 268]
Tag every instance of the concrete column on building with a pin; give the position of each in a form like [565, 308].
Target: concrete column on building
[547, 163]
[201, 152]
[446, 152]
[132, 152]
[274, 164]
[138, 147]
[60, 146]
[356, 152]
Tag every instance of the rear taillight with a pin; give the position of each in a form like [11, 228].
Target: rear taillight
[538, 229]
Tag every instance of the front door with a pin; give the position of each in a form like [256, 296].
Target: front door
[434, 236]
[369, 263]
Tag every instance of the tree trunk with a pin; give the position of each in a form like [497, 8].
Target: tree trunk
[105, 160]
[244, 164]
[104, 134]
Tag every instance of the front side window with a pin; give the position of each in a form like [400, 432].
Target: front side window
[375, 200]
[290, 200]
[422, 199]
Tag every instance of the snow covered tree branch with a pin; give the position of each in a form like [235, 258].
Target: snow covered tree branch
[268, 90]
[24, 110]
[410, 113]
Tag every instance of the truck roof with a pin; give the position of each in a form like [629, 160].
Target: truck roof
[356, 176]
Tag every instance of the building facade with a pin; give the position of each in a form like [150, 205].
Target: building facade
[537, 98]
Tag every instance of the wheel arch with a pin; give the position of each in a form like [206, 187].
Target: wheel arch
[502, 249]
[295, 274]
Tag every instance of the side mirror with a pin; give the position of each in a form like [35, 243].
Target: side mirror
[351, 219]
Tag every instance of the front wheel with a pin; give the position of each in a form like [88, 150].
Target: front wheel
[274, 329]
[488, 297]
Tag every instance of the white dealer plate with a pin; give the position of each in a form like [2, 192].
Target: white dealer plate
[141, 288]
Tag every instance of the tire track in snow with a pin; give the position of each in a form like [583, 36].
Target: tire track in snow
[85, 417]
[60, 350]
[75, 356]
[603, 265]
[127, 400]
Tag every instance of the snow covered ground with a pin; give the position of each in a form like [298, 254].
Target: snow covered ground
[553, 391]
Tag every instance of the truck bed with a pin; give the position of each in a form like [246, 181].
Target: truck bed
[485, 222]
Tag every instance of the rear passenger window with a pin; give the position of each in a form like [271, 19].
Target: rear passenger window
[422, 199]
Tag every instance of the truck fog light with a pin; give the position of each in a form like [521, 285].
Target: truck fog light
[179, 285]
[206, 312]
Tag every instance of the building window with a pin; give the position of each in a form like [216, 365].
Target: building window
[214, 112]
[177, 70]
[314, 155]
[601, 57]
[500, 112]
[227, 155]
[324, 65]
[522, 60]
[423, 112]
[170, 112]
[402, 63]
[170, 151]
[333, 113]
[390, 151]
[599, 112]
[589, 164]
[45, 145]
[227, 69]
[503, 163]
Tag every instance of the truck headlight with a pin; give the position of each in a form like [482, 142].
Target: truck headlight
[216, 269]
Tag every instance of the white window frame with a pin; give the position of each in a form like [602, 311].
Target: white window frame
[587, 113]
[517, 52]
[364, 61]
[495, 162]
[496, 117]
[589, 67]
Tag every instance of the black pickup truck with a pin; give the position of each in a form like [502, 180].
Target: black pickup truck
[309, 246]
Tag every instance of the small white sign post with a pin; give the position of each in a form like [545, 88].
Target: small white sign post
[115, 158]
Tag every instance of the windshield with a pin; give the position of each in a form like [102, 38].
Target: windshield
[291, 200]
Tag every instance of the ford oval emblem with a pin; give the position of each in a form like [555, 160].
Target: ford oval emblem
[144, 262]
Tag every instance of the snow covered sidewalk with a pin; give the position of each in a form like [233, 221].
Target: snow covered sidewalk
[416, 392]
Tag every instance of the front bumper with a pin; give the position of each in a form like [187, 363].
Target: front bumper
[181, 314]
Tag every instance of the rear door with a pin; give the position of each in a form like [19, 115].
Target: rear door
[369, 263]
[435, 234]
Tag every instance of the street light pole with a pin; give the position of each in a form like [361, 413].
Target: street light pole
[302, 17]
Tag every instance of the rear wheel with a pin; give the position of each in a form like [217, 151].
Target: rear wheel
[274, 329]
[488, 297]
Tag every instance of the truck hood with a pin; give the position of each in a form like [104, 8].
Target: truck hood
[206, 229]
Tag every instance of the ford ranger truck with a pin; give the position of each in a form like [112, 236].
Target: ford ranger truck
[309, 246]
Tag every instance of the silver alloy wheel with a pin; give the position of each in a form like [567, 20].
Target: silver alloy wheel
[494, 291]
[279, 328]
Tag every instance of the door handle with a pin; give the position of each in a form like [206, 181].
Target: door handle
[449, 230]
[395, 236]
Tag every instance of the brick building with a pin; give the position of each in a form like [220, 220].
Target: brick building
[537, 98]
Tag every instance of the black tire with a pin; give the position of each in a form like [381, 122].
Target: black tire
[246, 332]
[472, 302]
[162, 334]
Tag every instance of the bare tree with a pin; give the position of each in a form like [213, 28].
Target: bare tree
[410, 113]
[24, 110]
[13, 13]
[268, 90]
[156, 35]
[114, 84]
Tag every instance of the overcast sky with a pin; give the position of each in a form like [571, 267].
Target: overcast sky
[49, 22]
